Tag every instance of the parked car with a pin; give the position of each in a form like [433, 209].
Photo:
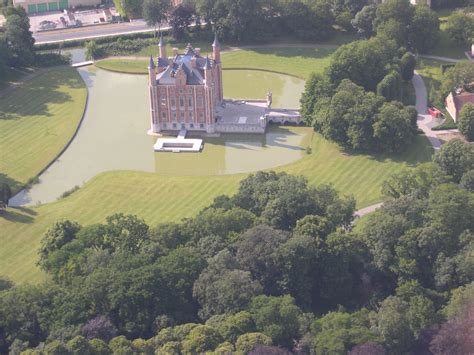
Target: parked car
[47, 25]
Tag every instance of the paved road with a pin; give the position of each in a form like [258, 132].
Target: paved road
[424, 119]
[91, 31]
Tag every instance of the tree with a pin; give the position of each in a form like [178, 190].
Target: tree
[254, 253]
[363, 21]
[277, 317]
[91, 50]
[56, 347]
[395, 126]
[132, 8]
[316, 88]
[407, 66]
[19, 39]
[455, 158]
[231, 327]
[348, 117]
[467, 181]
[337, 332]
[54, 238]
[390, 86]
[223, 288]
[121, 345]
[78, 346]
[179, 19]
[351, 61]
[392, 325]
[369, 348]
[99, 327]
[155, 11]
[398, 10]
[201, 339]
[5, 195]
[424, 29]
[460, 27]
[99, 347]
[466, 121]
[306, 21]
[247, 342]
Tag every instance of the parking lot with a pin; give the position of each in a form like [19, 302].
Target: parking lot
[60, 19]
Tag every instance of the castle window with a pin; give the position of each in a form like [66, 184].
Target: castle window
[174, 125]
[173, 114]
[191, 125]
[181, 103]
[191, 115]
[164, 125]
[183, 126]
[201, 125]
[173, 103]
[200, 102]
[201, 116]
[163, 115]
[163, 101]
[190, 101]
[181, 116]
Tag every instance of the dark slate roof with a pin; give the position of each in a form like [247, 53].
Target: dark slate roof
[162, 62]
[194, 76]
[216, 41]
[151, 65]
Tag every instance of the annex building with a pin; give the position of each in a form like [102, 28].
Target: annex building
[40, 6]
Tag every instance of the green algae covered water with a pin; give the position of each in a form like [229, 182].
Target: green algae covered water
[254, 84]
[113, 136]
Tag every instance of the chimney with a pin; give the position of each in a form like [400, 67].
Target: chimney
[197, 51]
[175, 52]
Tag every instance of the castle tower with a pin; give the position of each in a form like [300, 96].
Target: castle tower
[216, 50]
[152, 72]
[162, 46]
[154, 125]
[216, 53]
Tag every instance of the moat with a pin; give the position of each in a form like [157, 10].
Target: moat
[113, 136]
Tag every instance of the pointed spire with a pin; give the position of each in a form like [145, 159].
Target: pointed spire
[216, 41]
[162, 42]
[208, 64]
[152, 63]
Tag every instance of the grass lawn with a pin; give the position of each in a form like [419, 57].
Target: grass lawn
[159, 198]
[37, 119]
[162, 198]
[300, 62]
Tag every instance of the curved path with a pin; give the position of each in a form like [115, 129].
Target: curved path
[424, 123]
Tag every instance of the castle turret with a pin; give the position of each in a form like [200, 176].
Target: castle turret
[162, 46]
[216, 50]
[208, 72]
[152, 72]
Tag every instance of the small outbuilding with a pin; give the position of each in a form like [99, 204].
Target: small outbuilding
[456, 101]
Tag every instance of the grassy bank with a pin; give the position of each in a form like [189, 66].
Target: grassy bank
[159, 198]
[37, 119]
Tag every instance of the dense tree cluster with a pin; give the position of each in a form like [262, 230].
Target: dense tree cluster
[415, 27]
[274, 268]
[338, 106]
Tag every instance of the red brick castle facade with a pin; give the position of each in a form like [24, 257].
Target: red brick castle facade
[185, 89]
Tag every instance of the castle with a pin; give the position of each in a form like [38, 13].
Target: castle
[185, 89]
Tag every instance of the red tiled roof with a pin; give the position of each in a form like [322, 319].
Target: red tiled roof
[462, 99]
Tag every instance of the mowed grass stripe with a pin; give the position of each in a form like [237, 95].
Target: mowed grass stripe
[37, 120]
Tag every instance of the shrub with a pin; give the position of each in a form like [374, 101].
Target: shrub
[52, 59]
[466, 122]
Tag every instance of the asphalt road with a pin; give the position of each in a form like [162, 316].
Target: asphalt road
[91, 31]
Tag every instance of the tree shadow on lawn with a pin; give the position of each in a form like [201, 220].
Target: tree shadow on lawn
[17, 103]
[309, 53]
[14, 185]
[17, 215]
[418, 152]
